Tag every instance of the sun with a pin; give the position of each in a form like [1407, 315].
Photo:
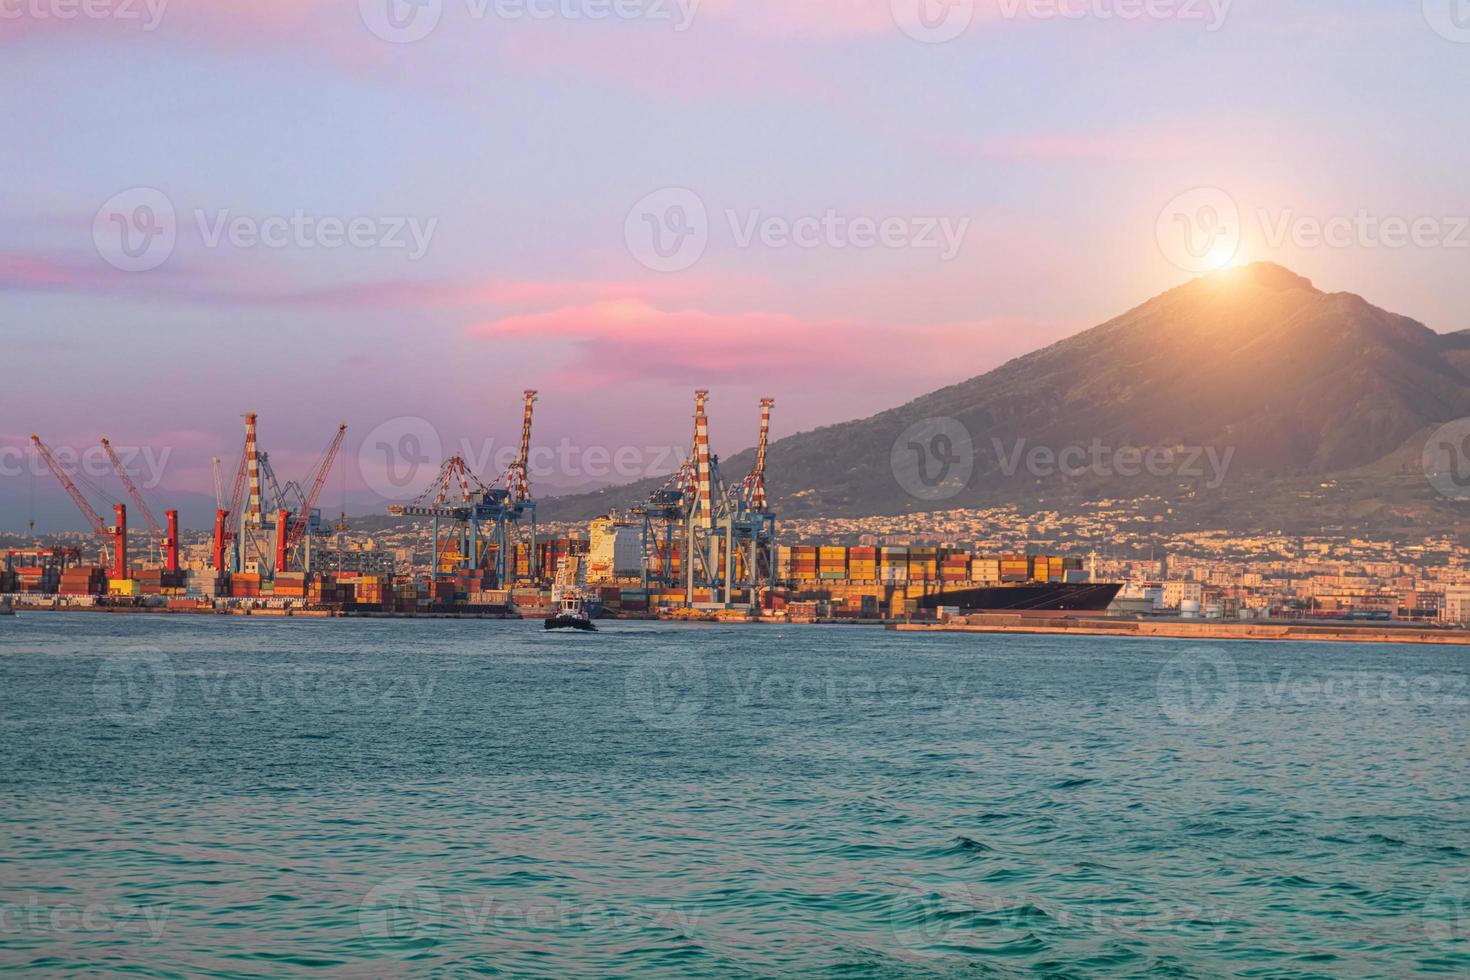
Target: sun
[1225, 255]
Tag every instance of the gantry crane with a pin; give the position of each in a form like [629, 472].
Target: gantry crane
[165, 539]
[729, 533]
[493, 508]
[117, 534]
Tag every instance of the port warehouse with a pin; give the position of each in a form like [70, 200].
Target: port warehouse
[811, 580]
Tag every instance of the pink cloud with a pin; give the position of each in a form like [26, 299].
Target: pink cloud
[178, 280]
[626, 339]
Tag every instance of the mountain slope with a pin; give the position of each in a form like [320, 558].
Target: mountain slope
[1255, 364]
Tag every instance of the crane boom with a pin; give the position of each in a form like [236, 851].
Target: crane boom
[154, 527]
[517, 478]
[98, 526]
[755, 482]
[319, 480]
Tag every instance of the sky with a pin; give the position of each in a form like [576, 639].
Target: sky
[401, 213]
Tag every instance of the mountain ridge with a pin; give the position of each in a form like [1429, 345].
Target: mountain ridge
[1295, 383]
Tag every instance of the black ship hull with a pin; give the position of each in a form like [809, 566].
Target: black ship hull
[1029, 597]
[570, 623]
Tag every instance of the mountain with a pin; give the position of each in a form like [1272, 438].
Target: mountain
[1273, 382]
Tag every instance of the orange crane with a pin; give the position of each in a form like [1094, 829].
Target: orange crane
[118, 533]
[224, 534]
[168, 540]
[314, 489]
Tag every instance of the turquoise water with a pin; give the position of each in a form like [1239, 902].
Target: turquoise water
[188, 796]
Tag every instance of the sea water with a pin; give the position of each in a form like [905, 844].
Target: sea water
[201, 796]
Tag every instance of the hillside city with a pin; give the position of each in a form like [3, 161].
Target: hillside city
[1331, 574]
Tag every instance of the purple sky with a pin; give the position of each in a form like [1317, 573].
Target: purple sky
[849, 214]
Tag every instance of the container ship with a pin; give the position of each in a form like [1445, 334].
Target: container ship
[1028, 597]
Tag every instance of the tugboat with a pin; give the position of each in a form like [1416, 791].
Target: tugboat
[571, 614]
[571, 602]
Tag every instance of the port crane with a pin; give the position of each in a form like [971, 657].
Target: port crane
[493, 508]
[309, 514]
[166, 540]
[729, 532]
[240, 535]
[117, 534]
